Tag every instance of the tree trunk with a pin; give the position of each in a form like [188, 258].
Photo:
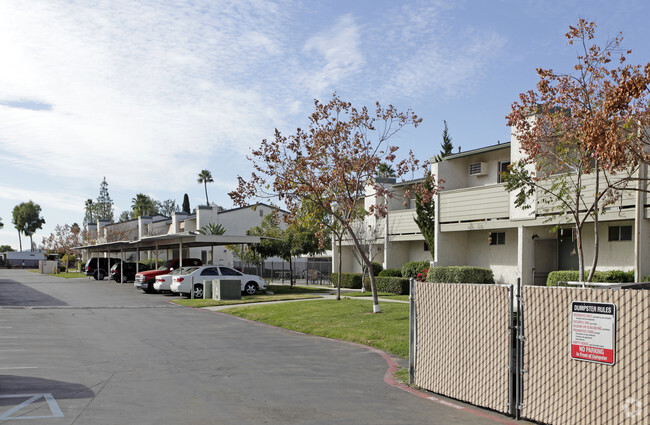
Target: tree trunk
[338, 287]
[20, 242]
[595, 262]
[368, 263]
[207, 203]
[581, 260]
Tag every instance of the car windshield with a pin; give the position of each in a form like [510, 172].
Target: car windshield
[165, 266]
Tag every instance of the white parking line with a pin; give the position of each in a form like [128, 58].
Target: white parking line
[18, 367]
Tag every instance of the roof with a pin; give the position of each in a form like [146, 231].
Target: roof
[476, 151]
[188, 239]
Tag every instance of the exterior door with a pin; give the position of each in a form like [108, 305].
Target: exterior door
[567, 250]
[545, 260]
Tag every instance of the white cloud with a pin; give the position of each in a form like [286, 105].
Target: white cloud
[338, 55]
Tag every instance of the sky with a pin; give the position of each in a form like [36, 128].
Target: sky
[149, 93]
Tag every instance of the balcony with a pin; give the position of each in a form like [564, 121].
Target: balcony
[402, 223]
[491, 202]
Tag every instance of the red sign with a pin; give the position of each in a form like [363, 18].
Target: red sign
[593, 332]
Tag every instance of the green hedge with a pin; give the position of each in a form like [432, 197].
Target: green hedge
[390, 273]
[610, 276]
[348, 280]
[391, 284]
[377, 268]
[412, 268]
[460, 274]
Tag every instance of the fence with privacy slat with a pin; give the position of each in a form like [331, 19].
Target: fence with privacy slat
[484, 345]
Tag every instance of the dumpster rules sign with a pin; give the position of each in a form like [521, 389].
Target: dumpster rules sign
[593, 332]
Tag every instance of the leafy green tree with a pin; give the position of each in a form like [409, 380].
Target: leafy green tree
[90, 212]
[27, 219]
[167, 207]
[205, 177]
[125, 216]
[425, 215]
[104, 205]
[186, 204]
[143, 205]
[447, 145]
[6, 248]
[1, 223]
[293, 241]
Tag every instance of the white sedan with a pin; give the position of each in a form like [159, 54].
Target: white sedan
[164, 281]
[194, 277]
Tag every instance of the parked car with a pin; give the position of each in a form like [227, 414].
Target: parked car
[99, 267]
[164, 281]
[193, 280]
[129, 270]
[145, 280]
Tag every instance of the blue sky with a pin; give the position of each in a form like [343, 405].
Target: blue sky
[148, 93]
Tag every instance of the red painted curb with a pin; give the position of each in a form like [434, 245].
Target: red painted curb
[389, 375]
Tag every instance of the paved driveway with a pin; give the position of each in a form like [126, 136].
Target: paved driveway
[80, 351]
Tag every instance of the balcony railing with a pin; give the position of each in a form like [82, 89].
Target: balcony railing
[474, 203]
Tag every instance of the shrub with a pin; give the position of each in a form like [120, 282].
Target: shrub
[413, 268]
[610, 276]
[394, 285]
[391, 273]
[348, 280]
[376, 268]
[460, 274]
[646, 278]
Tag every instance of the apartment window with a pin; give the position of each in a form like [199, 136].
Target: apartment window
[497, 238]
[261, 212]
[503, 170]
[426, 246]
[620, 233]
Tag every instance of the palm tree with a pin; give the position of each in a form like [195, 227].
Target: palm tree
[143, 205]
[212, 229]
[385, 170]
[205, 177]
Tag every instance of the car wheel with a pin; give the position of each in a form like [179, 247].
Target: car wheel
[124, 279]
[198, 291]
[96, 275]
[250, 288]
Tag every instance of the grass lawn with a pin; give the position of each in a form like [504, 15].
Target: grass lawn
[379, 294]
[68, 275]
[245, 299]
[347, 320]
[280, 293]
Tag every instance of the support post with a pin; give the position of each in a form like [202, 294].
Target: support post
[412, 331]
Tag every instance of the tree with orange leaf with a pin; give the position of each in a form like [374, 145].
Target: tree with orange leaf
[331, 164]
[584, 135]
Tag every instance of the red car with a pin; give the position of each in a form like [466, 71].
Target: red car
[145, 280]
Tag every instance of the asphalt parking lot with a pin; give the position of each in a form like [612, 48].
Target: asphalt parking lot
[80, 351]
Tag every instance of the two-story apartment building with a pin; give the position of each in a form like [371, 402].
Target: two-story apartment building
[236, 222]
[478, 224]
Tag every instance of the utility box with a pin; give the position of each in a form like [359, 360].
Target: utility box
[226, 289]
[207, 289]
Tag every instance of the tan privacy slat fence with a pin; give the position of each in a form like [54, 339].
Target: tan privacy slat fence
[463, 346]
[562, 390]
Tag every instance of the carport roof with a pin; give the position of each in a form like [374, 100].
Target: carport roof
[188, 239]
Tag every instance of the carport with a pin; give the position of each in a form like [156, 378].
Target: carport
[167, 241]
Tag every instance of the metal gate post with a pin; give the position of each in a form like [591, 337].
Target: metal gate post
[413, 323]
[520, 352]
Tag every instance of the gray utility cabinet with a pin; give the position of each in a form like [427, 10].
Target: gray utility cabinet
[226, 289]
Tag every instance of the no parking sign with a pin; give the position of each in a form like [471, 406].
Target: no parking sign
[593, 332]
